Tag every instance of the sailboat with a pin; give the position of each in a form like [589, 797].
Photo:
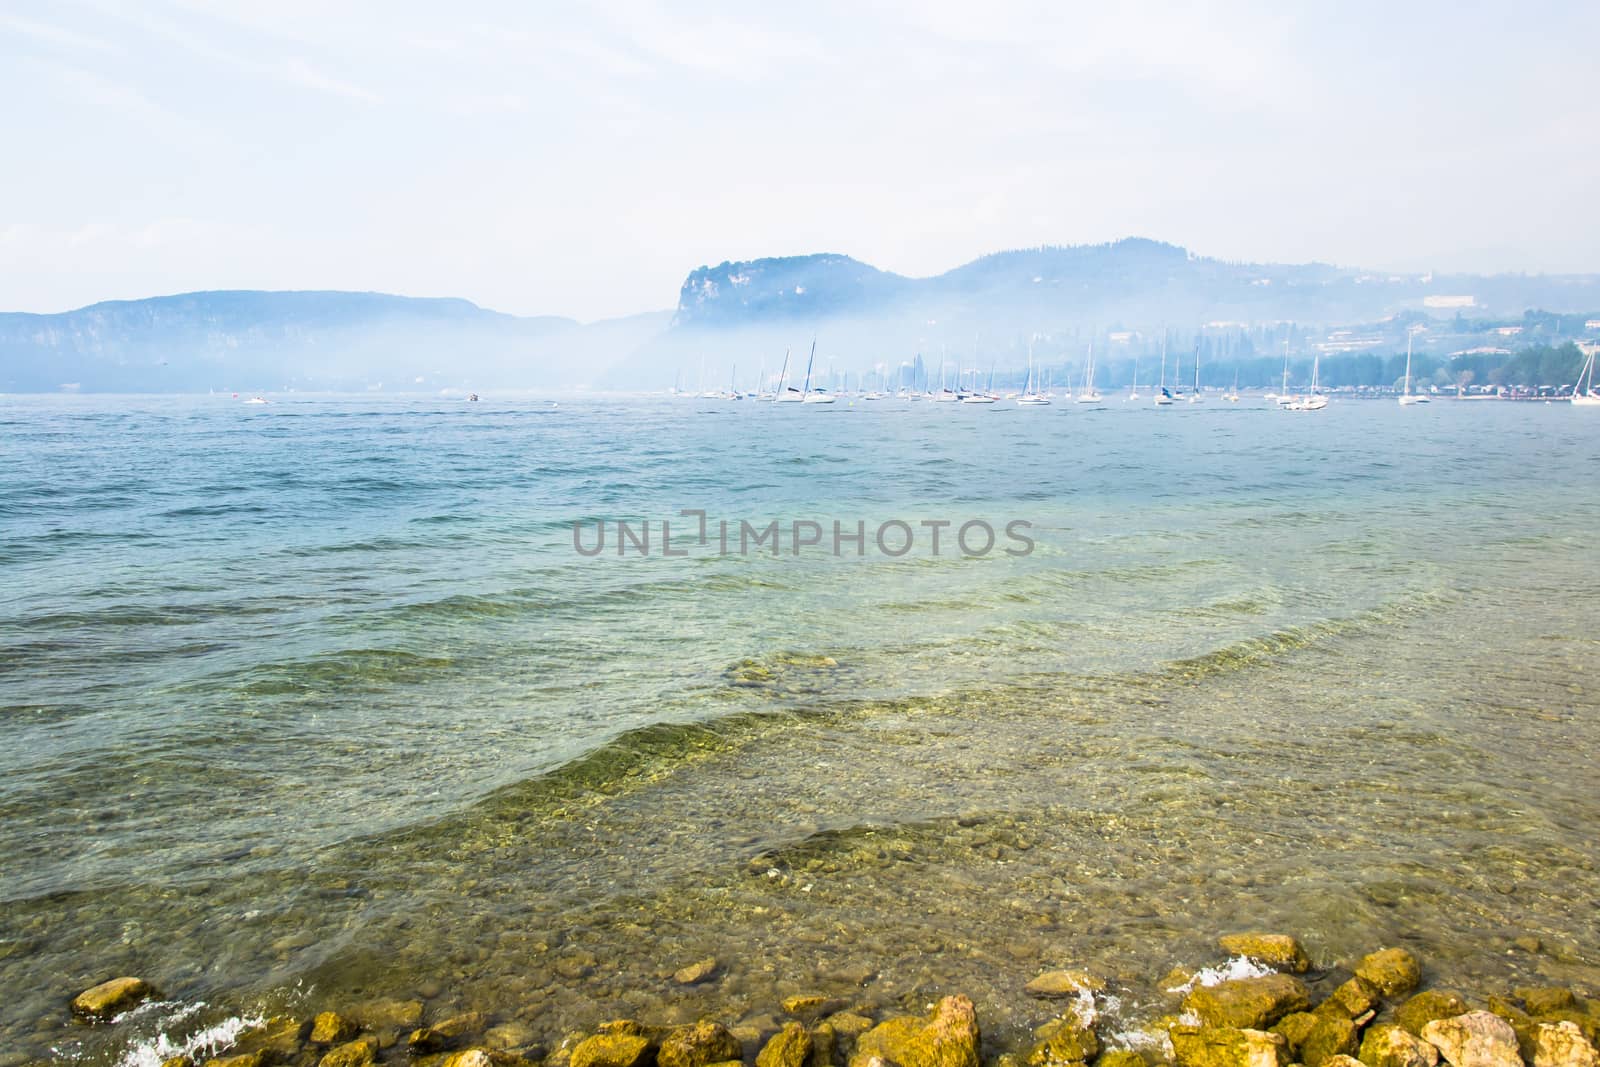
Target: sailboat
[1582, 397]
[1133, 394]
[1030, 396]
[1163, 398]
[1195, 397]
[981, 396]
[788, 394]
[1089, 396]
[1283, 398]
[946, 395]
[806, 395]
[1313, 401]
[1233, 397]
[1408, 398]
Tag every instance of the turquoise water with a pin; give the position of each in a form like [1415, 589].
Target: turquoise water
[319, 695]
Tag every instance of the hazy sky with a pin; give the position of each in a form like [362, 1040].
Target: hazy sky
[538, 158]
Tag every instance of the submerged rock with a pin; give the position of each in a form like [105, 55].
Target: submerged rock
[362, 1052]
[481, 1057]
[698, 1045]
[508, 1035]
[1120, 1057]
[278, 1039]
[109, 998]
[1060, 984]
[1393, 970]
[1392, 1045]
[1225, 1046]
[1427, 1006]
[331, 1028]
[1542, 1000]
[388, 1014]
[248, 1059]
[806, 1004]
[789, 1047]
[1563, 1045]
[612, 1050]
[1476, 1039]
[946, 1038]
[697, 972]
[1070, 1044]
[1279, 951]
[1248, 1003]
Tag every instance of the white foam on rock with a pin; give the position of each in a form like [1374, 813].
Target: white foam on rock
[1237, 967]
[202, 1044]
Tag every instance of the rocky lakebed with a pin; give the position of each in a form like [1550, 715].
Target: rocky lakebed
[1262, 1005]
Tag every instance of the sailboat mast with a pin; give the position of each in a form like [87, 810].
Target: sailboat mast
[809, 360]
[1408, 361]
[1163, 359]
[1285, 365]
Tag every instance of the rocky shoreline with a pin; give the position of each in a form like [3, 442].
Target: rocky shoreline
[1264, 1007]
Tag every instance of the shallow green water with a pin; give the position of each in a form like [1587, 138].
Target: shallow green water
[319, 695]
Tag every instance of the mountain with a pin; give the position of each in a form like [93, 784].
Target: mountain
[1129, 299]
[1133, 283]
[1124, 297]
[249, 341]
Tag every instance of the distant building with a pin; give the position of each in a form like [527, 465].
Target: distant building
[1508, 331]
[1592, 324]
[1448, 301]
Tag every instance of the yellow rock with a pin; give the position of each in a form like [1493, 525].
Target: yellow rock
[109, 998]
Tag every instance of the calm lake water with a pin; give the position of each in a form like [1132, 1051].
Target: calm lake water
[314, 702]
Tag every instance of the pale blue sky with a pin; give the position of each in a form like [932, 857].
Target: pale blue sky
[542, 158]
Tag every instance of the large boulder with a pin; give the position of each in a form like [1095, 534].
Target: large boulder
[1215, 1046]
[1295, 1028]
[1526, 1028]
[108, 998]
[1391, 1045]
[613, 1050]
[1563, 1045]
[362, 1052]
[1393, 970]
[1279, 951]
[1351, 1000]
[1333, 1035]
[789, 1047]
[1476, 1039]
[946, 1038]
[698, 1045]
[1427, 1006]
[1248, 1003]
[331, 1028]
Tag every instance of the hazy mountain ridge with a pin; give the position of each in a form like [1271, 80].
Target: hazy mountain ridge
[310, 340]
[1132, 283]
[1124, 297]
